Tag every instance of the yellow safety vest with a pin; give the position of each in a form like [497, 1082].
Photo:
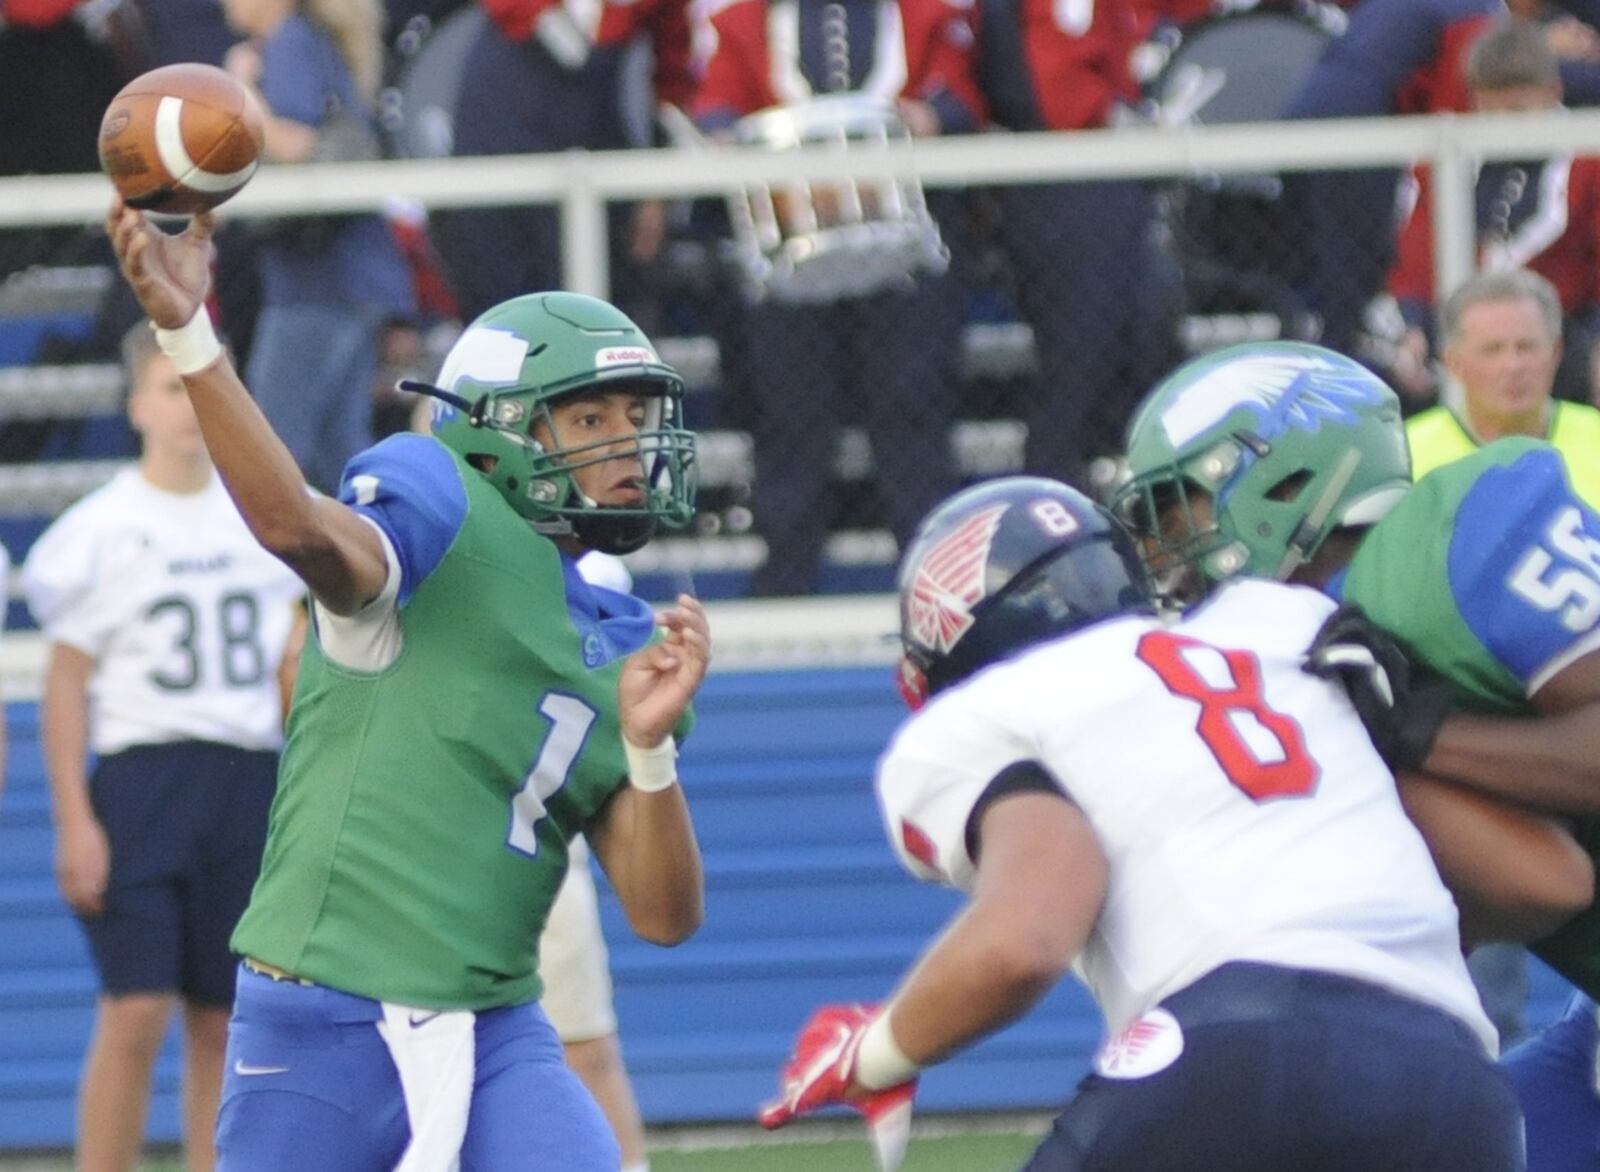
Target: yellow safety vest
[1437, 437]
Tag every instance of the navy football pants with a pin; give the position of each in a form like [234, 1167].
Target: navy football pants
[1290, 1069]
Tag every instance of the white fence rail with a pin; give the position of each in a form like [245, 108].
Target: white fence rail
[582, 182]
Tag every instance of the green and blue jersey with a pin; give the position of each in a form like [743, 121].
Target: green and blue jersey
[1489, 572]
[423, 810]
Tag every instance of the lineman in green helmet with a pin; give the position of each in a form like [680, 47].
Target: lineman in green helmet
[467, 705]
[1289, 461]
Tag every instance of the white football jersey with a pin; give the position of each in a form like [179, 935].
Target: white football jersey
[1244, 813]
[184, 614]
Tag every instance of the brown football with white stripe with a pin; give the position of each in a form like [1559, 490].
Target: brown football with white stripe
[180, 139]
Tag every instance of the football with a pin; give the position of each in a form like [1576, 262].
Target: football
[181, 139]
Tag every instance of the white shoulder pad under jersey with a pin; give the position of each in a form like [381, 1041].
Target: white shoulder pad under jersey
[1240, 805]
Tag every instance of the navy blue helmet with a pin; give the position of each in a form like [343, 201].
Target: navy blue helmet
[1003, 565]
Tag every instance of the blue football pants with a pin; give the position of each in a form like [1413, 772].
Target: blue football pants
[310, 1085]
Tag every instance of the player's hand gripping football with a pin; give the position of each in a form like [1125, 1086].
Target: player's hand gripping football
[822, 1072]
[170, 275]
[658, 682]
[1402, 714]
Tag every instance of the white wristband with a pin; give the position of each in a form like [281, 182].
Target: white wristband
[193, 346]
[652, 770]
[880, 1063]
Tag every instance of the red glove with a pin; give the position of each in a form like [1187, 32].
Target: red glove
[822, 1072]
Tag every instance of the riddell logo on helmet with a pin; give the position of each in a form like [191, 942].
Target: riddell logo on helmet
[623, 356]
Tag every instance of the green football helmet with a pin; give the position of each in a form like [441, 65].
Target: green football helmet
[1244, 460]
[518, 359]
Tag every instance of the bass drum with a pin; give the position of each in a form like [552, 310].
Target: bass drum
[1233, 236]
[419, 111]
[1243, 67]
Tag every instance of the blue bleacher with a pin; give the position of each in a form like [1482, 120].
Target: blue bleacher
[804, 905]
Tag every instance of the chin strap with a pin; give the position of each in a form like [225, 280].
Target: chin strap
[1307, 534]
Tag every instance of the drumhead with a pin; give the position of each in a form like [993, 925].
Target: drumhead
[429, 83]
[1244, 67]
[830, 118]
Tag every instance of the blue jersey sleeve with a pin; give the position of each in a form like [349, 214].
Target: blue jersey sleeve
[1524, 567]
[410, 487]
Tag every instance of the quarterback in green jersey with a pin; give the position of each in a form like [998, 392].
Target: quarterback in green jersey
[467, 704]
[1290, 461]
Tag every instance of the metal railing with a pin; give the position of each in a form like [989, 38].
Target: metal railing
[581, 183]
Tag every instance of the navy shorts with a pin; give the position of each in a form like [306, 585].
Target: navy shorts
[186, 823]
[1274, 1068]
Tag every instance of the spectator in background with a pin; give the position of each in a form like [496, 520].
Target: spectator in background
[1396, 57]
[888, 357]
[328, 284]
[1501, 338]
[544, 75]
[1572, 30]
[167, 626]
[1081, 253]
[1542, 214]
[56, 78]
[184, 30]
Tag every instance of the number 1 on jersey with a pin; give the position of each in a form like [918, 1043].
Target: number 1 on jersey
[570, 719]
[1291, 774]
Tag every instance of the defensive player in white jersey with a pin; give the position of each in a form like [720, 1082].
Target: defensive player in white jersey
[1201, 827]
[167, 625]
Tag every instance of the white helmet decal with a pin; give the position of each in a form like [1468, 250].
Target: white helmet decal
[489, 355]
[948, 582]
[1288, 390]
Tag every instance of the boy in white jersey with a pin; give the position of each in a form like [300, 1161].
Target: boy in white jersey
[167, 625]
[1198, 825]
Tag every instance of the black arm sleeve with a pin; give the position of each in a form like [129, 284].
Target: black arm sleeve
[1018, 777]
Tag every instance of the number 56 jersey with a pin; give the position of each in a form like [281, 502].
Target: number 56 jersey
[185, 615]
[1489, 572]
[1243, 812]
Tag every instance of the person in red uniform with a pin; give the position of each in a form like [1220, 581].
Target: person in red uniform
[1085, 269]
[545, 75]
[1542, 214]
[887, 359]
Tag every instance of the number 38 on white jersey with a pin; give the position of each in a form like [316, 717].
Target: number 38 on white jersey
[183, 612]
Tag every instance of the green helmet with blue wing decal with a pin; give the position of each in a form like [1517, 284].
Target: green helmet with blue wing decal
[499, 382]
[1244, 460]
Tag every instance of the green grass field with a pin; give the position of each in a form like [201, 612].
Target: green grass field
[949, 1153]
[941, 1145]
